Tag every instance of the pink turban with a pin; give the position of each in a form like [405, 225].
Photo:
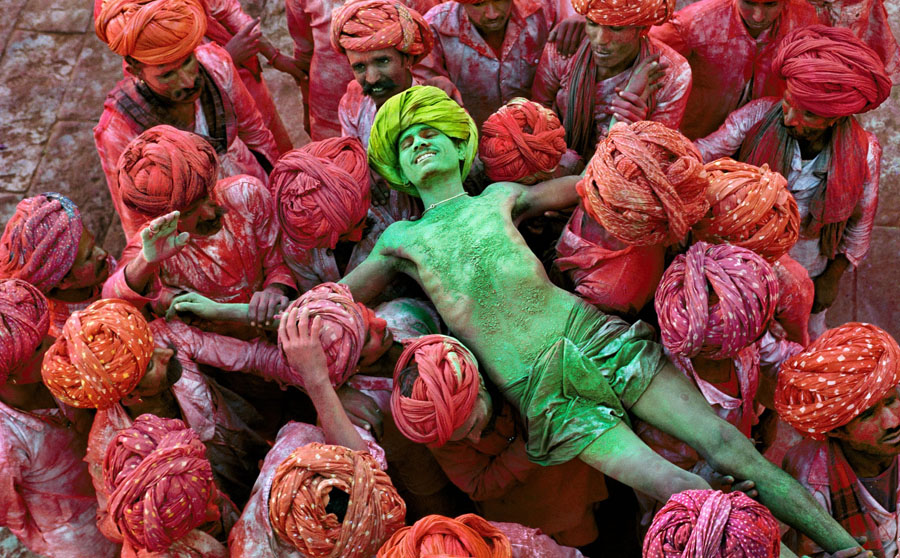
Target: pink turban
[715, 300]
[160, 482]
[346, 152]
[620, 13]
[708, 523]
[318, 203]
[645, 184]
[521, 142]
[151, 31]
[443, 394]
[378, 24]
[40, 242]
[165, 169]
[830, 72]
[24, 321]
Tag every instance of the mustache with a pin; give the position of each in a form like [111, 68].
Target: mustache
[183, 94]
[386, 83]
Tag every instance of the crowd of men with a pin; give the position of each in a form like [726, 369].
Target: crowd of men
[544, 266]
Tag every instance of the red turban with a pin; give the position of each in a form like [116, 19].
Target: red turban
[165, 169]
[151, 31]
[750, 207]
[102, 354]
[620, 13]
[521, 142]
[442, 395]
[435, 535]
[841, 374]
[343, 332]
[346, 152]
[24, 321]
[715, 300]
[318, 203]
[830, 72]
[40, 242]
[160, 482]
[301, 491]
[377, 24]
[708, 523]
[645, 184]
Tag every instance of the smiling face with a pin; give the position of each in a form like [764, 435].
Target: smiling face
[758, 16]
[179, 82]
[425, 151]
[381, 73]
[876, 431]
[614, 47]
[490, 16]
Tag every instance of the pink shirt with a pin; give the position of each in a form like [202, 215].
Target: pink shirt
[485, 80]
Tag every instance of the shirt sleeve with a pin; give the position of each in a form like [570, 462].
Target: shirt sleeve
[300, 28]
[547, 77]
[483, 476]
[116, 286]
[672, 97]
[672, 34]
[727, 140]
[229, 13]
[111, 137]
[858, 232]
[13, 510]
[261, 207]
[433, 65]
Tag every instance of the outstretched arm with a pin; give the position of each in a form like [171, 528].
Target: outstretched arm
[374, 274]
[550, 195]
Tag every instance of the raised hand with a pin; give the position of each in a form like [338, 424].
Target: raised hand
[160, 239]
[245, 43]
[647, 77]
[265, 304]
[568, 35]
[301, 346]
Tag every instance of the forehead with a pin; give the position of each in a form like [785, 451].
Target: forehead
[364, 57]
[159, 69]
[415, 129]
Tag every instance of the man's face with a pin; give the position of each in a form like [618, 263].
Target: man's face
[162, 373]
[478, 420]
[178, 82]
[876, 431]
[381, 73]
[490, 16]
[91, 266]
[201, 218]
[424, 151]
[802, 124]
[759, 16]
[613, 46]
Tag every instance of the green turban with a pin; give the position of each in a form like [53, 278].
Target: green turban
[419, 104]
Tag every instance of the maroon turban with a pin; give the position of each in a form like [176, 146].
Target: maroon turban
[830, 72]
[24, 321]
[378, 24]
[346, 152]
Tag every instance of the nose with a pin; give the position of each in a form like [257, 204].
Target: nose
[420, 143]
[889, 418]
[604, 36]
[207, 211]
[186, 79]
[165, 355]
[99, 254]
[372, 75]
[491, 12]
[791, 117]
[758, 15]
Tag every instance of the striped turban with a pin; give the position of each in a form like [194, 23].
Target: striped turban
[444, 393]
[420, 104]
[165, 169]
[40, 242]
[707, 523]
[750, 207]
[151, 31]
[346, 152]
[645, 184]
[24, 322]
[830, 72]
[160, 482]
[302, 490]
[435, 535]
[620, 13]
[370, 25]
[102, 355]
[715, 300]
[841, 374]
[521, 142]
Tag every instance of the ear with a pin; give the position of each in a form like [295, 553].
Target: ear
[461, 149]
[133, 67]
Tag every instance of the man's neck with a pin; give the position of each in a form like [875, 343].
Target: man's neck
[440, 189]
[866, 465]
[27, 397]
[604, 73]
[181, 113]
[809, 148]
[494, 39]
[73, 295]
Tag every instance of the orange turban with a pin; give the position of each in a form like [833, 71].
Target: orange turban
[830, 72]
[102, 354]
[343, 333]
[160, 482]
[165, 169]
[151, 31]
[24, 322]
[521, 142]
[620, 13]
[750, 207]
[377, 24]
[318, 203]
[40, 242]
[841, 374]
[443, 394]
[435, 535]
[346, 152]
[301, 491]
[645, 184]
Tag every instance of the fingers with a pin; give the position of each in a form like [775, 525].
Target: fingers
[273, 303]
[316, 328]
[747, 487]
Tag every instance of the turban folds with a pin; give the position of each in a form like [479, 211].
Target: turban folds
[344, 328]
[522, 142]
[318, 203]
[24, 322]
[715, 300]
[707, 523]
[830, 72]
[619, 13]
[301, 491]
[841, 374]
[377, 24]
[645, 184]
[151, 31]
[102, 354]
[40, 242]
[435, 535]
[442, 396]
[160, 482]
[420, 104]
[166, 169]
[346, 152]
[750, 207]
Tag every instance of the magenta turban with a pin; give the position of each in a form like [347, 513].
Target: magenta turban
[24, 321]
